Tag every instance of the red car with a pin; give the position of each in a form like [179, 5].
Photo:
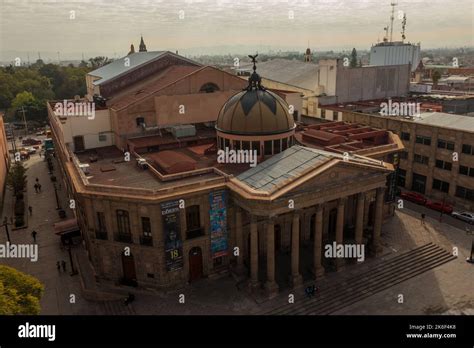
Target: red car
[440, 206]
[414, 197]
[31, 141]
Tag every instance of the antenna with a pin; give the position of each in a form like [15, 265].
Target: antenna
[404, 23]
[391, 20]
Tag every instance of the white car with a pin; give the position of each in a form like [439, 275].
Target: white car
[31, 150]
[464, 216]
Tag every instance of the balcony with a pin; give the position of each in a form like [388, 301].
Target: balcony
[195, 233]
[101, 235]
[124, 238]
[146, 240]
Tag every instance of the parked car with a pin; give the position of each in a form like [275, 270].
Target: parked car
[414, 197]
[464, 216]
[31, 150]
[31, 141]
[440, 206]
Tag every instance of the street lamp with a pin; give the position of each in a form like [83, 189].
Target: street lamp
[58, 206]
[73, 270]
[6, 223]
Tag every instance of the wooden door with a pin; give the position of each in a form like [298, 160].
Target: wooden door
[195, 264]
[79, 143]
[129, 272]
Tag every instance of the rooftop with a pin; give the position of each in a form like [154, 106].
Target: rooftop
[282, 167]
[117, 67]
[293, 72]
[444, 120]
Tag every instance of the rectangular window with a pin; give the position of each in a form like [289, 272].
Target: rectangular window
[101, 222]
[440, 185]
[423, 140]
[450, 146]
[146, 226]
[323, 113]
[441, 144]
[102, 137]
[467, 149]
[192, 218]
[405, 136]
[421, 159]
[463, 170]
[443, 165]
[123, 222]
[464, 193]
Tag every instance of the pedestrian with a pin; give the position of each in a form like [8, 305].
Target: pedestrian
[422, 218]
[63, 263]
[36, 188]
[58, 265]
[37, 180]
[39, 153]
[33, 234]
[39, 187]
[31, 210]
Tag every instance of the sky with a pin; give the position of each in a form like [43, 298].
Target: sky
[193, 27]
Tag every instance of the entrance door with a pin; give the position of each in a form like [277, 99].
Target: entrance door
[79, 143]
[195, 264]
[129, 272]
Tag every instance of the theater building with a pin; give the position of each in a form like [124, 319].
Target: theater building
[158, 210]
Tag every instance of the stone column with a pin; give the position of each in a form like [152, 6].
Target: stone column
[253, 252]
[271, 285]
[376, 247]
[359, 228]
[340, 230]
[239, 240]
[295, 279]
[318, 237]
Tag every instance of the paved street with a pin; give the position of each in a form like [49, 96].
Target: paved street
[445, 288]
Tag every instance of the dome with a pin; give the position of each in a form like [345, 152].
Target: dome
[255, 112]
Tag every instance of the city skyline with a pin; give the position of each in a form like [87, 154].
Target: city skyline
[108, 28]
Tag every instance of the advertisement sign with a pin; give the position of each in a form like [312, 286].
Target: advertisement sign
[218, 219]
[172, 230]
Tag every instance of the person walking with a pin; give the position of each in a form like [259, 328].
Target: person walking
[63, 264]
[36, 188]
[422, 218]
[33, 234]
[58, 265]
[30, 210]
[39, 188]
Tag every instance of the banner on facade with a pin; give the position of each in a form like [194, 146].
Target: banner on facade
[172, 230]
[218, 219]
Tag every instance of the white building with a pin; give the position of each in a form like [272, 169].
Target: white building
[395, 53]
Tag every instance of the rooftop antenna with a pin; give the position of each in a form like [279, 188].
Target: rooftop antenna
[385, 38]
[392, 17]
[404, 23]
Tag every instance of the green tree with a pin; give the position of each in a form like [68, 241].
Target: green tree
[16, 178]
[353, 62]
[97, 62]
[20, 293]
[435, 77]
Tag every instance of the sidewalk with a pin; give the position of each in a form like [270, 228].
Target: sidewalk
[59, 285]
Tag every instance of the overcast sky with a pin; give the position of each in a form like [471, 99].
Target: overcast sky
[108, 27]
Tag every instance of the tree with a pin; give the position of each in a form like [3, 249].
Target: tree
[20, 293]
[435, 77]
[16, 178]
[353, 63]
[97, 62]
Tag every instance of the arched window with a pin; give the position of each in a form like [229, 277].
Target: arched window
[209, 88]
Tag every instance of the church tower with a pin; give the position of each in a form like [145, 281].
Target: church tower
[142, 47]
[307, 55]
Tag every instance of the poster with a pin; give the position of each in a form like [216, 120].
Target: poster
[218, 219]
[172, 230]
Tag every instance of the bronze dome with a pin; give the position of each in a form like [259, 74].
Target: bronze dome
[255, 111]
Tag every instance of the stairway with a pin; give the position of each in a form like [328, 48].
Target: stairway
[386, 274]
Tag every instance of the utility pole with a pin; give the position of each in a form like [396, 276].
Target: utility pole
[24, 120]
[392, 17]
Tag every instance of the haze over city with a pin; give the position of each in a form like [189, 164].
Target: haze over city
[210, 26]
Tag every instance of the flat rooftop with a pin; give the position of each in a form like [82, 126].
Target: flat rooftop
[445, 120]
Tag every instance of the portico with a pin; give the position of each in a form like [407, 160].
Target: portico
[301, 213]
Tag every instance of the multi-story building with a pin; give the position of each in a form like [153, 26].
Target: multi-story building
[438, 159]
[4, 158]
[160, 207]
